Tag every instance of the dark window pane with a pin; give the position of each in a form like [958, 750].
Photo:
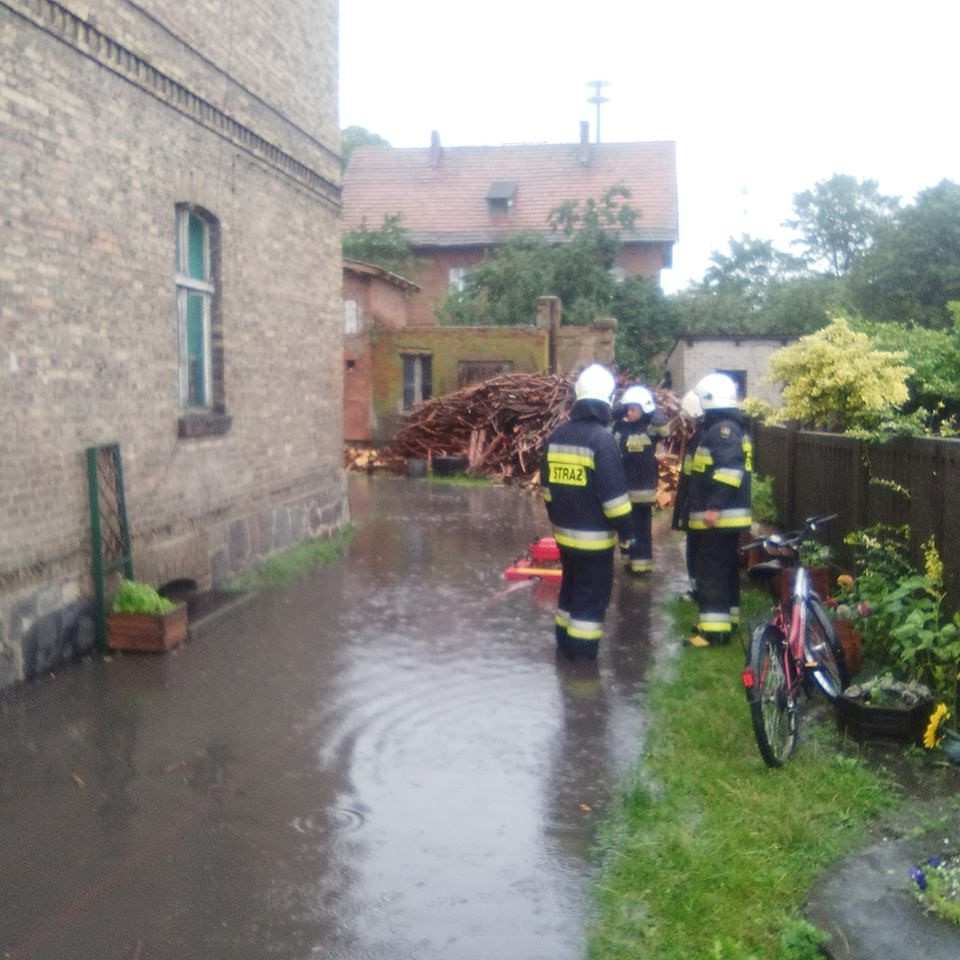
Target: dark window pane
[409, 381]
[426, 368]
[196, 352]
[196, 247]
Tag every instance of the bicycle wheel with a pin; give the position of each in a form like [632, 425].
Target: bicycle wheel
[824, 649]
[772, 709]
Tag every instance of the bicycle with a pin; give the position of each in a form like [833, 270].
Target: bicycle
[793, 651]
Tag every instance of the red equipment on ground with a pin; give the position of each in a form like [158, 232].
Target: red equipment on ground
[542, 561]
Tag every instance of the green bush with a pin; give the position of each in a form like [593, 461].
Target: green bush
[136, 597]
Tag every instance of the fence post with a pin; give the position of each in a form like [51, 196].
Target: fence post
[861, 484]
[790, 507]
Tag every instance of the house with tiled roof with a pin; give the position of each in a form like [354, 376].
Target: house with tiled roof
[459, 203]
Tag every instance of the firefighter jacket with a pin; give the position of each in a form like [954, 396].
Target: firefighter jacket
[720, 470]
[583, 482]
[638, 444]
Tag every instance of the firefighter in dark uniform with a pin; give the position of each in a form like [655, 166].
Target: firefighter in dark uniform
[637, 430]
[586, 496]
[690, 404]
[719, 508]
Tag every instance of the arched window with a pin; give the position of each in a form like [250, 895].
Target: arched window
[197, 280]
[196, 292]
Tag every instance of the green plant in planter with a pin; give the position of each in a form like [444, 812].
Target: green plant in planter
[886, 691]
[927, 641]
[900, 609]
[882, 562]
[136, 597]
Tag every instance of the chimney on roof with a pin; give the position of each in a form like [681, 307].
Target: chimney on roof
[585, 143]
[436, 151]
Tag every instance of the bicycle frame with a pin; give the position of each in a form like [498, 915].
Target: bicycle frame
[794, 657]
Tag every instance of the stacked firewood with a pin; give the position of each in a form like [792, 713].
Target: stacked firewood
[498, 425]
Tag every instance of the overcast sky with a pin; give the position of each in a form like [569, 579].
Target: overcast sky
[763, 97]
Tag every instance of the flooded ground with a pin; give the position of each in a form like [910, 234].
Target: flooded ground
[383, 762]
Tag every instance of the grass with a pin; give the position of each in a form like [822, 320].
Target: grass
[710, 853]
[291, 565]
[460, 480]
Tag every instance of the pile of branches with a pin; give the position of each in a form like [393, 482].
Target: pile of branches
[672, 448]
[499, 426]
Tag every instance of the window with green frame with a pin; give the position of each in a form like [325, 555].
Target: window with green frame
[196, 290]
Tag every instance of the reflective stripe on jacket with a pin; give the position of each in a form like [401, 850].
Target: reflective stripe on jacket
[584, 486]
[720, 472]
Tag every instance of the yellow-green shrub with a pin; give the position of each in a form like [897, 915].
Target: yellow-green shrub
[836, 379]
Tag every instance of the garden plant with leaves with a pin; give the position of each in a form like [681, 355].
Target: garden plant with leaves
[900, 609]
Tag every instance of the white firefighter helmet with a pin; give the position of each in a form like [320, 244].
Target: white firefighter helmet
[595, 383]
[640, 397]
[690, 405]
[717, 391]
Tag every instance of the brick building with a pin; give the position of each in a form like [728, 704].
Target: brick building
[170, 281]
[375, 301]
[459, 203]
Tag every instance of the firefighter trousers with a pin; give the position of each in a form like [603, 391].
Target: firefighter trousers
[718, 583]
[584, 595]
[693, 540]
[641, 550]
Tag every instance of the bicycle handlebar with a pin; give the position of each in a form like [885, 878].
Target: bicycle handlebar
[795, 537]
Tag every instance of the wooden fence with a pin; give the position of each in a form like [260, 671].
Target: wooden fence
[829, 473]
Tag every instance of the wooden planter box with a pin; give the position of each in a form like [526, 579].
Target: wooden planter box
[852, 644]
[865, 722]
[148, 633]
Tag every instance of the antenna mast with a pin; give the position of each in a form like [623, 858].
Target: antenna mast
[598, 98]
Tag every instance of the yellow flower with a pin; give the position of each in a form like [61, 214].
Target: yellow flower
[937, 719]
[845, 581]
[932, 564]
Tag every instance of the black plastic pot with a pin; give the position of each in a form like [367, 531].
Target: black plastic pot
[416, 469]
[449, 466]
[863, 721]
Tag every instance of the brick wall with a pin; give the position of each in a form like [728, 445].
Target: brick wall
[690, 362]
[526, 348]
[381, 302]
[434, 280]
[100, 144]
[642, 259]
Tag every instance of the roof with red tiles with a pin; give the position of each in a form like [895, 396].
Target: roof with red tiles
[443, 202]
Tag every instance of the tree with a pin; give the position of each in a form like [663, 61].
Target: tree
[756, 289]
[913, 270]
[386, 247]
[839, 219]
[353, 137]
[646, 324]
[750, 270]
[503, 290]
[836, 379]
[934, 358]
